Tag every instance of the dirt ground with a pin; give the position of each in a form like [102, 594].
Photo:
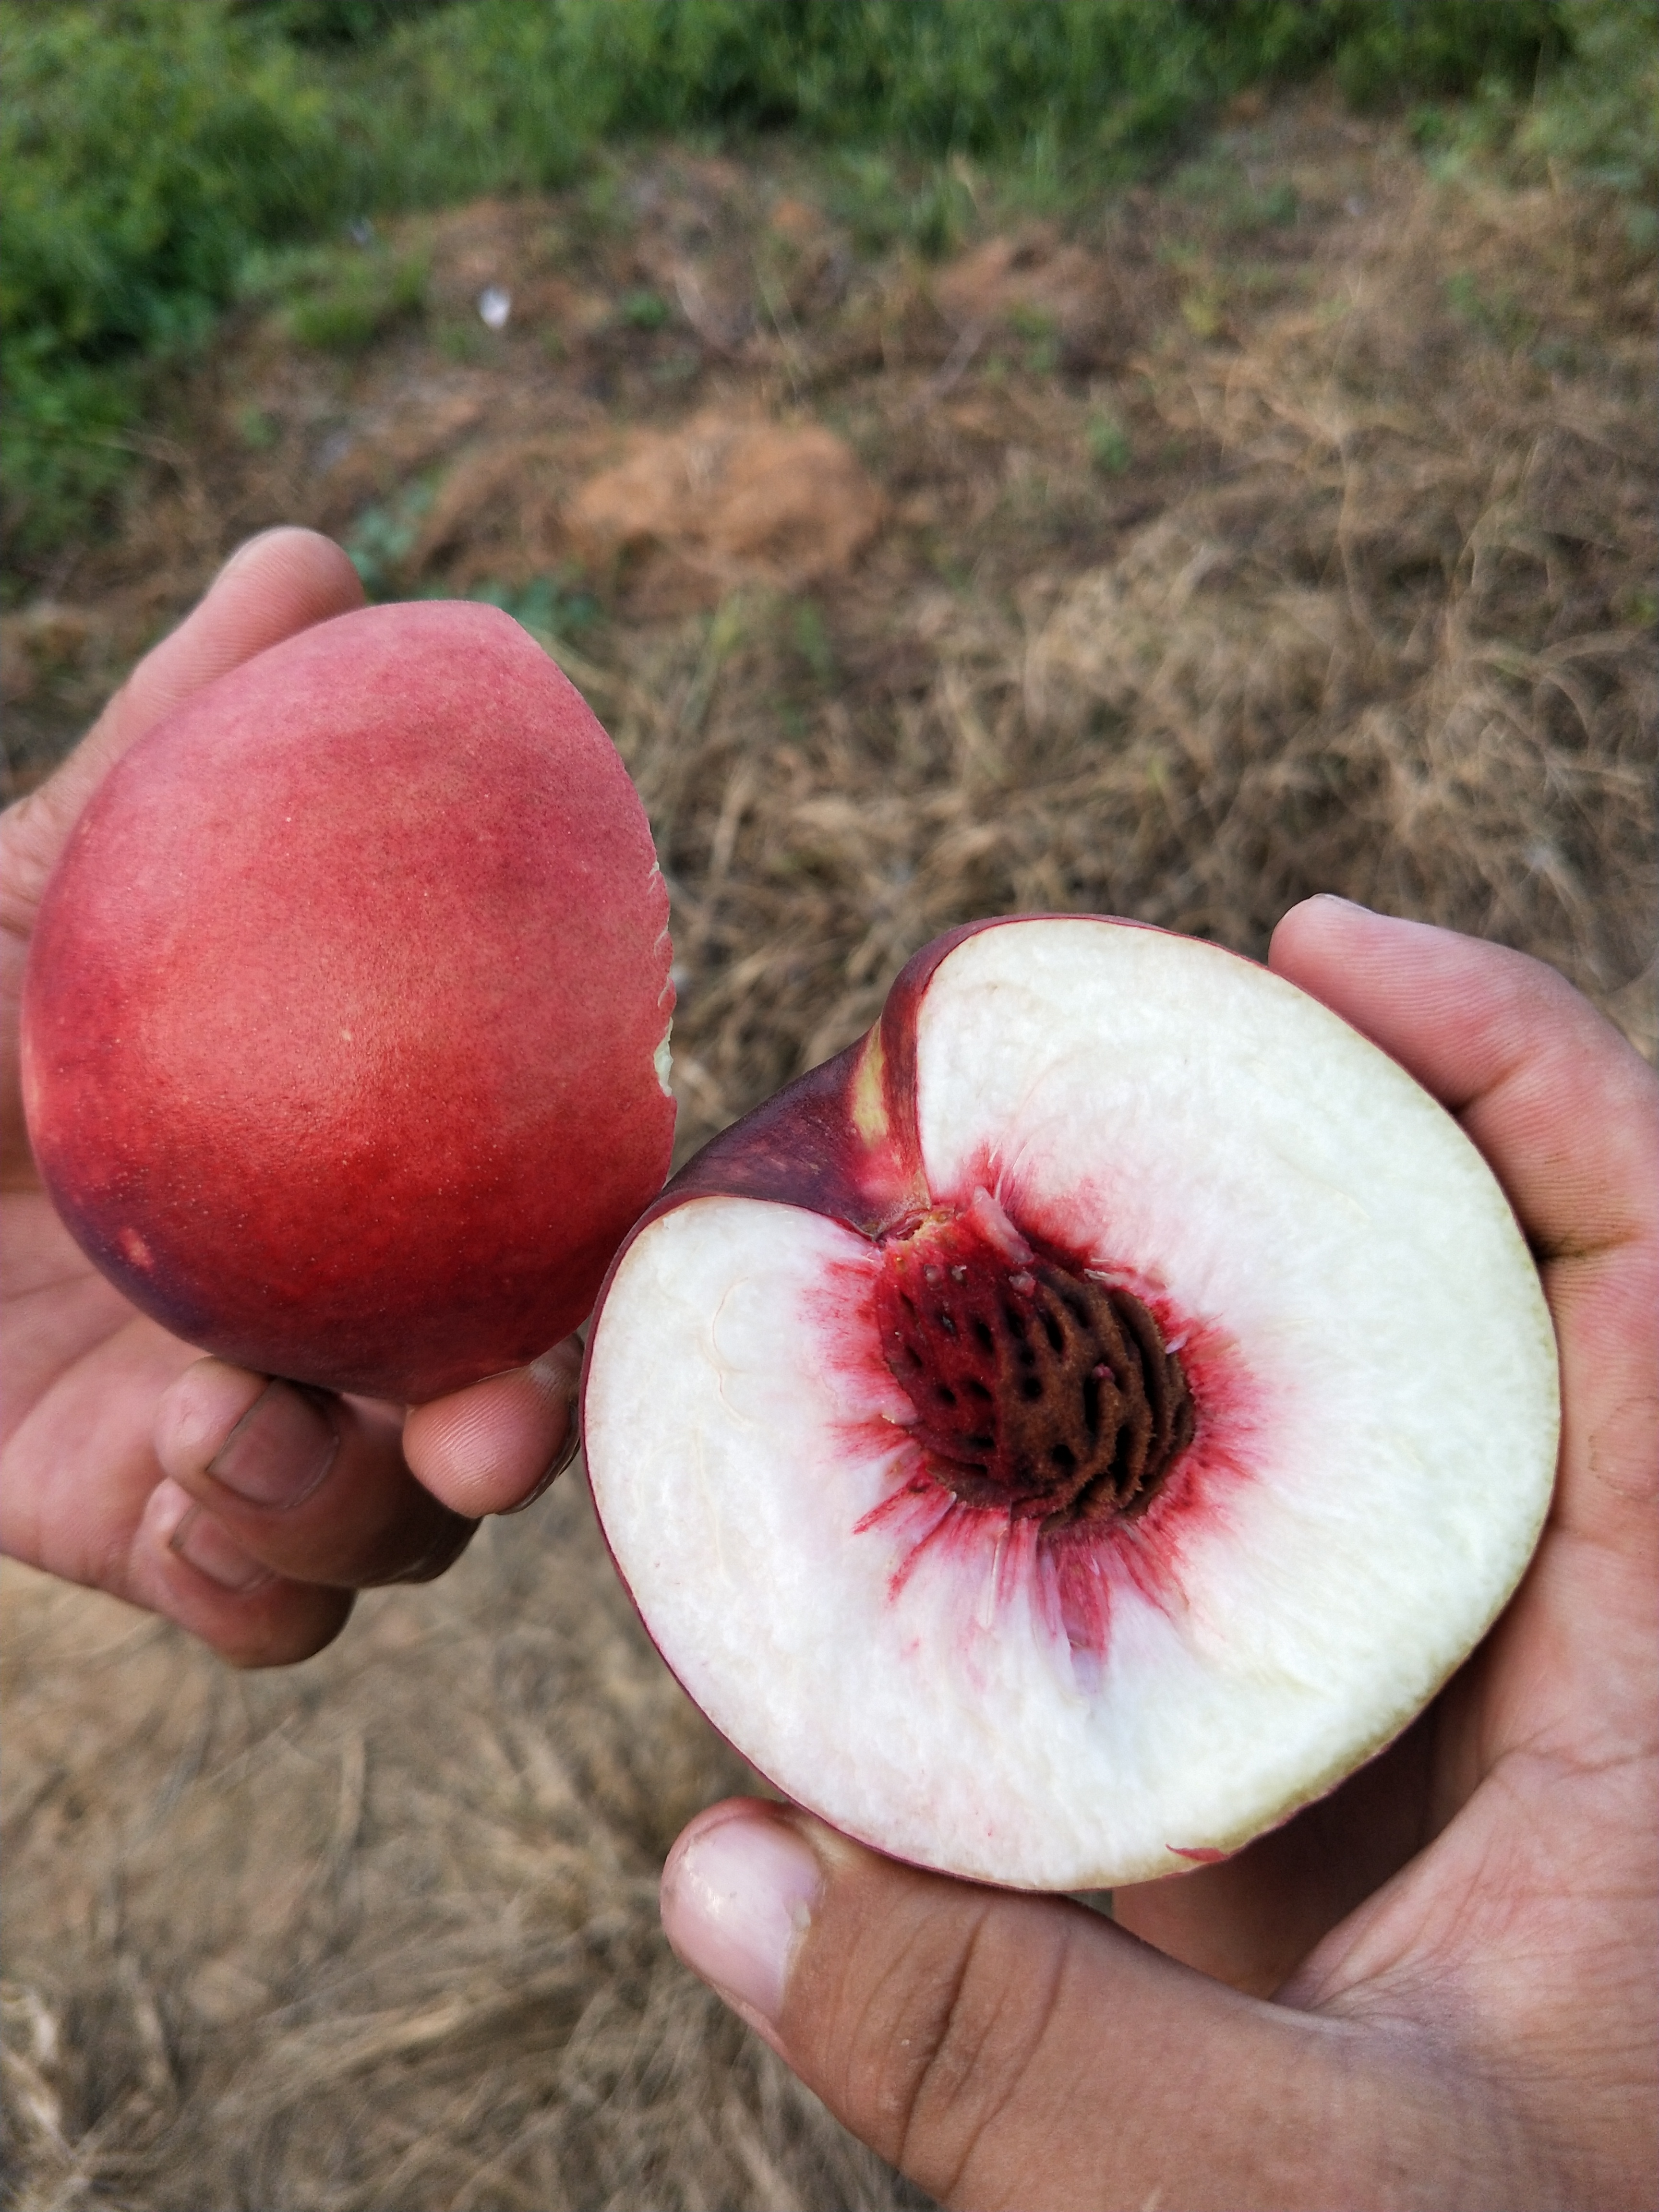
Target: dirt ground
[1285, 526]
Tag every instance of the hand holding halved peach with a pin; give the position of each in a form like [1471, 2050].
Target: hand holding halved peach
[1073, 1429]
[1432, 1987]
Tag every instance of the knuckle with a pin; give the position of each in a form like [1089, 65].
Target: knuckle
[295, 1622]
[950, 2032]
[450, 1539]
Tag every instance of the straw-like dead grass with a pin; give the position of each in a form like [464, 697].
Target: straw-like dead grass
[1377, 647]
[1247, 559]
[382, 1933]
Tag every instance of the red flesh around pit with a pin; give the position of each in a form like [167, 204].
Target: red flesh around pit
[842, 1140]
[1071, 1568]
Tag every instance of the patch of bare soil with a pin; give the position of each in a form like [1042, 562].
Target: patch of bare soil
[1287, 527]
[725, 503]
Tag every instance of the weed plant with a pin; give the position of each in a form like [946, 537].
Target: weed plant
[338, 297]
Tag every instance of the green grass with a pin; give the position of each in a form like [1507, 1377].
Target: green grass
[1110, 447]
[340, 297]
[161, 158]
[644, 310]
[382, 538]
[143, 151]
[1595, 116]
[1600, 117]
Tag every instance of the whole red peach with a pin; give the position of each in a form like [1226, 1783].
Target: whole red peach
[346, 1024]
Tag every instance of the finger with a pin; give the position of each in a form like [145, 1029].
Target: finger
[496, 1447]
[1561, 1105]
[275, 585]
[1567, 1114]
[311, 1487]
[1003, 2050]
[185, 1564]
[83, 1496]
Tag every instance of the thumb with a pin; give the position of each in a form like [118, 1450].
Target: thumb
[1009, 2050]
[277, 583]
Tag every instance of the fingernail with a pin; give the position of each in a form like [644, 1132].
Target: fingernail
[248, 548]
[280, 1449]
[737, 1894]
[203, 1543]
[560, 1460]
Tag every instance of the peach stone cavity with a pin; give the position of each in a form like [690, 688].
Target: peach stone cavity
[1179, 1412]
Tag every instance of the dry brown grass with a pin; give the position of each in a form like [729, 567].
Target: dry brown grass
[383, 1932]
[1222, 561]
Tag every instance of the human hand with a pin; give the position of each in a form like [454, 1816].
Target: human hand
[1434, 1988]
[245, 1508]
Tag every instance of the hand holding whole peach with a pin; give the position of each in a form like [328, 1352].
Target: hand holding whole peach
[1435, 1986]
[247, 1510]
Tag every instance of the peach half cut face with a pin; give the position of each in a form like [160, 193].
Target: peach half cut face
[1075, 1427]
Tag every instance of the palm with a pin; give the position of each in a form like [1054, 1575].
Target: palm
[1530, 1779]
[1253, 1920]
[1310, 1909]
[83, 1372]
